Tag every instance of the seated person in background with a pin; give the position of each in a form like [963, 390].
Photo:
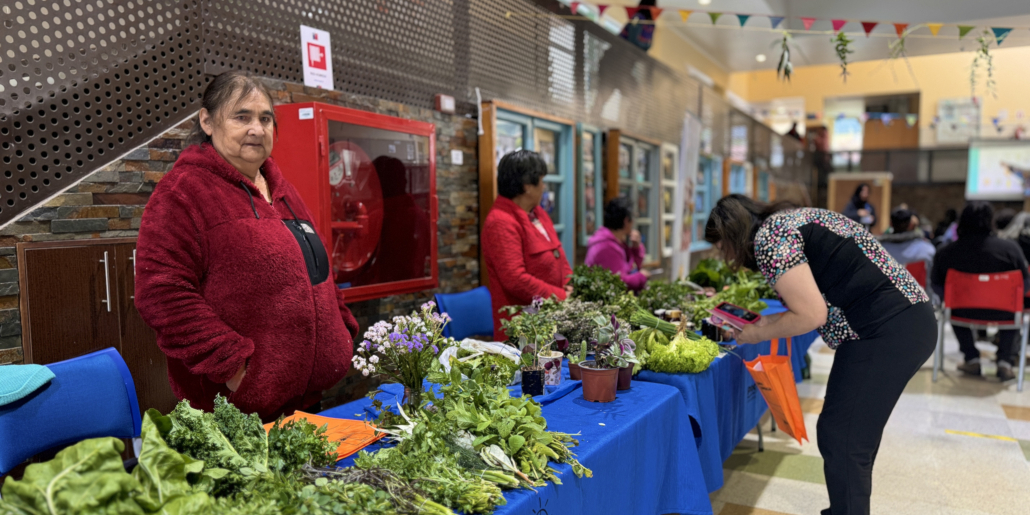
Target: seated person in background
[906, 242]
[1003, 218]
[1018, 230]
[617, 246]
[977, 251]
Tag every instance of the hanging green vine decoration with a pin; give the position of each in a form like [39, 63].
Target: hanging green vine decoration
[898, 51]
[983, 57]
[785, 67]
[842, 44]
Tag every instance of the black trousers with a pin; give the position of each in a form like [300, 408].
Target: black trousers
[866, 381]
[1006, 344]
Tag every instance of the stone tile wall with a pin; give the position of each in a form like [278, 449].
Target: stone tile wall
[110, 202]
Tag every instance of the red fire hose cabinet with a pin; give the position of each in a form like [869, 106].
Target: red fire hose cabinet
[370, 180]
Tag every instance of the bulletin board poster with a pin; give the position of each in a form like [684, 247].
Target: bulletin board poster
[998, 170]
[690, 148]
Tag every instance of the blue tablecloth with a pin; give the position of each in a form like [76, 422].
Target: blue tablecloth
[723, 402]
[633, 445]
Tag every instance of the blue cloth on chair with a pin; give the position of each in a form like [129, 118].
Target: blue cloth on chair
[469, 311]
[18, 381]
[90, 396]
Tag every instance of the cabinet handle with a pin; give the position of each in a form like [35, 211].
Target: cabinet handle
[133, 258]
[107, 281]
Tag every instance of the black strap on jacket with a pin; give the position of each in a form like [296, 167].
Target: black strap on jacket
[316, 259]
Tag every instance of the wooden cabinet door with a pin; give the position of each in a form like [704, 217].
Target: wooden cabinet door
[68, 299]
[139, 349]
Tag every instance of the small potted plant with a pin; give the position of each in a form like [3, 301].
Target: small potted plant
[614, 352]
[530, 331]
[551, 358]
[575, 359]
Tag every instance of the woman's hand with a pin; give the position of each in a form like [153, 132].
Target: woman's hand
[234, 383]
[634, 238]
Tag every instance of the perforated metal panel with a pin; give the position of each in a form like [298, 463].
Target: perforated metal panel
[84, 82]
[399, 50]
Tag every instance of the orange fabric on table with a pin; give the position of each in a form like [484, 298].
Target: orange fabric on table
[353, 435]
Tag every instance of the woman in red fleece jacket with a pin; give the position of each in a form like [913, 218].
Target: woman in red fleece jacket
[230, 272]
[524, 257]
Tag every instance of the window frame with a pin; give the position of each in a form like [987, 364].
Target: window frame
[598, 154]
[710, 190]
[564, 226]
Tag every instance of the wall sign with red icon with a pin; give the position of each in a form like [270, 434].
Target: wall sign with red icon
[318, 62]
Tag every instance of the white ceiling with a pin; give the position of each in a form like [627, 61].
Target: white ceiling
[735, 49]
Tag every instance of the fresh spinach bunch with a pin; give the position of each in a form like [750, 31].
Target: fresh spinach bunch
[664, 295]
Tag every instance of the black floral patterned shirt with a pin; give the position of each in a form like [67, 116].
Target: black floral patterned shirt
[863, 286]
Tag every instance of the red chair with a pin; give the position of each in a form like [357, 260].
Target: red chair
[1001, 291]
[918, 271]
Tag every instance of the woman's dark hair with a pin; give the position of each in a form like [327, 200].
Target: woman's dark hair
[225, 91]
[517, 169]
[616, 211]
[1003, 218]
[734, 221]
[856, 199]
[976, 219]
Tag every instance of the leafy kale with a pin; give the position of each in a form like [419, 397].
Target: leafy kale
[296, 443]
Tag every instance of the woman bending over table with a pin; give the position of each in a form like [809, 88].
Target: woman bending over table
[833, 275]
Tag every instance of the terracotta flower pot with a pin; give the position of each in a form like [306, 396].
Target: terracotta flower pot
[625, 377]
[574, 371]
[551, 362]
[599, 384]
[533, 382]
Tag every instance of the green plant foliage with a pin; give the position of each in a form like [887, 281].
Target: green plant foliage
[664, 295]
[983, 58]
[683, 355]
[842, 45]
[598, 284]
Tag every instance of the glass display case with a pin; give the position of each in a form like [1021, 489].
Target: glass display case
[590, 201]
[370, 181]
[634, 173]
[553, 140]
[669, 167]
[707, 191]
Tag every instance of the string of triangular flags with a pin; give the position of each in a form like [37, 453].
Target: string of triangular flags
[1000, 33]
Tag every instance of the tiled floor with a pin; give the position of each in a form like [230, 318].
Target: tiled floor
[960, 446]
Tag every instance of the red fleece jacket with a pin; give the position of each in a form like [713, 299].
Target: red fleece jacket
[223, 282]
[520, 263]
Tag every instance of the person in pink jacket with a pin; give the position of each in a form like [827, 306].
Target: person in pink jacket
[617, 245]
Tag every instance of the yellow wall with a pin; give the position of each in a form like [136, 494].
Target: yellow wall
[937, 77]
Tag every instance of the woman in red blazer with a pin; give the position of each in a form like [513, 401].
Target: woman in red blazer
[524, 257]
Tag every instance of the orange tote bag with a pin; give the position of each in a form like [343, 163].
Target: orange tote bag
[774, 376]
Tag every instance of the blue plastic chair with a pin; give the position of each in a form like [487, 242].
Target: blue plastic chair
[470, 313]
[90, 396]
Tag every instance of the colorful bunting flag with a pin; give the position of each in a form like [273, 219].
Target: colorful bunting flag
[776, 21]
[839, 24]
[684, 14]
[574, 6]
[1000, 34]
[934, 27]
[655, 12]
[864, 117]
[900, 28]
[632, 11]
[911, 119]
[868, 27]
[808, 22]
[886, 118]
[714, 17]
[743, 18]
[963, 30]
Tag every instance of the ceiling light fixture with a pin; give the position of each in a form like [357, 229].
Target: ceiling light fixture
[704, 2]
[760, 58]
